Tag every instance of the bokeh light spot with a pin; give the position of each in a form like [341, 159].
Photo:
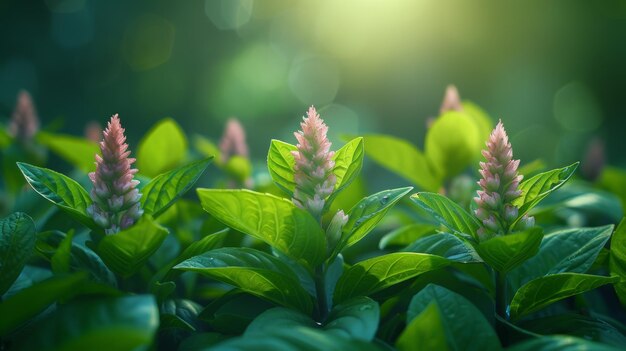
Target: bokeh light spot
[576, 108]
[314, 80]
[228, 14]
[148, 42]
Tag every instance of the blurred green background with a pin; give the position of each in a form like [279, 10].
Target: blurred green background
[554, 71]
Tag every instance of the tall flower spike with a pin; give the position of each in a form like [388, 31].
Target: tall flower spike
[499, 187]
[313, 175]
[24, 121]
[451, 100]
[233, 141]
[115, 198]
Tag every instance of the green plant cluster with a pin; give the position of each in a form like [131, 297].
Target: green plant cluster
[247, 269]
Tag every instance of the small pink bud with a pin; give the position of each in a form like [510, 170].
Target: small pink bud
[451, 100]
[24, 121]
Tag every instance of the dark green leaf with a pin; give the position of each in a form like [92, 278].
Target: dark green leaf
[179, 314]
[278, 318]
[401, 157]
[541, 292]
[447, 213]
[617, 259]
[61, 259]
[424, 332]
[164, 189]
[254, 272]
[356, 319]
[378, 273]
[280, 164]
[506, 252]
[406, 235]
[124, 323]
[561, 343]
[366, 214]
[79, 152]
[445, 245]
[127, 251]
[162, 148]
[64, 192]
[274, 220]
[17, 242]
[466, 327]
[569, 250]
[540, 186]
[29, 302]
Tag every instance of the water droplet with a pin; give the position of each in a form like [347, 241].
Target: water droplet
[384, 200]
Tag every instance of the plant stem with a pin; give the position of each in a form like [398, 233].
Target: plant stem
[320, 290]
[501, 295]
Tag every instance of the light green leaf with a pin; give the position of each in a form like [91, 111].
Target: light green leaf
[17, 242]
[280, 164]
[61, 258]
[506, 252]
[402, 158]
[124, 323]
[252, 271]
[207, 148]
[348, 163]
[406, 235]
[366, 214]
[127, 251]
[448, 213]
[276, 221]
[480, 118]
[62, 191]
[161, 192]
[465, 325]
[538, 187]
[29, 302]
[445, 245]
[79, 152]
[570, 250]
[424, 332]
[617, 259]
[162, 148]
[561, 343]
[541, 292]
[378, 273]
[452, 143]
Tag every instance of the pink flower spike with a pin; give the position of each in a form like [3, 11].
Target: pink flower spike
[314, 165]
[499, 187]
[115, 198]
[233, 141]
[24, 121]
[451, 100]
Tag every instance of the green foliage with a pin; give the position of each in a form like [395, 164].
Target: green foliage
[162, 148]
[506, 252]
[127, 251]
[162, 191]
[253, 271]
[424, 332]
[406, 235]
[61, 190]
[617, 261]
[445, 245]
[378, 273]
[448, 214]
[280, 164]
[79, 152]
[17, 242]
[274, 220]
[560, 342]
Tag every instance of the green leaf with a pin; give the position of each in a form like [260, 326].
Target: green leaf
[19, 308]
[179, 314]
[164, 189]
[617, 259]
[366, 214]
[348, 163]
[124, 323]
[252, 271]
[569, 250]
[506, 252]
[62, 191]
[61, 258]
[79, 152]
[207, 148]
[424, 332]
[17, 242]
[378, 273]
[297, 338]
[445, 245]
[448, 213]
[562, 343]
[127, 251]
[465, 325]
[238, 168]
[280, 164]
[162, 148]
[540, 292]
[538, 187]
[278, 318]
[276, 221]
[356, 318]
[402, 158]
[452, 143]
[406, 235]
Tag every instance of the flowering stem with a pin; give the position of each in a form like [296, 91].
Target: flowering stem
[320, 292]
[501, 295]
